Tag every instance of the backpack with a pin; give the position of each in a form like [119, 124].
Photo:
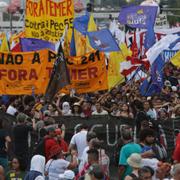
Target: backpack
[32, 175]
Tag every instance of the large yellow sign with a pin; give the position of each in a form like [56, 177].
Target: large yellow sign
[47, 19]
[25, 73]
[88, 73]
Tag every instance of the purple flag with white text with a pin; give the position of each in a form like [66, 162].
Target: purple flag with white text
[138, 16]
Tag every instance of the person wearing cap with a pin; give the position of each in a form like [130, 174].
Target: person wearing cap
[60, 140]
[67, 175]
[135, 162]
[21, 133]
[76, 109]
[57, 164]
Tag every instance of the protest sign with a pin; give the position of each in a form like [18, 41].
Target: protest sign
[161, 22]
[47, 19]
[22, 73]
[88, 73]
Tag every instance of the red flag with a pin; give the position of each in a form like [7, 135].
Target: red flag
[16, 48]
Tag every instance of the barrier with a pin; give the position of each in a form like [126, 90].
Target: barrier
[108, 128]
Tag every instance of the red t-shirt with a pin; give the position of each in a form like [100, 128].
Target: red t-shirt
[176, 154]
[49, 142]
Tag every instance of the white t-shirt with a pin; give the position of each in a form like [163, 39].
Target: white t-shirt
[79, 140]
[103, 112]
[11, 110]
[56, 167]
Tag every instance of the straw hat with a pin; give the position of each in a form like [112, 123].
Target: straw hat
[135, 160]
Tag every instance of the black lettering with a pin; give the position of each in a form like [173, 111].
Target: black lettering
[18, 59]
[83, 60]
[9, 59]
[51, 56]
[92, 57]
[36, 58]
[97, 55]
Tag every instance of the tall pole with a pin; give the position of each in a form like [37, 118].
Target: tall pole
[10, 18]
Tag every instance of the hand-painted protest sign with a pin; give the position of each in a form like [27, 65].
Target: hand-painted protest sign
[161, 22]
[88, 73]
[47, 19]
[22, 73]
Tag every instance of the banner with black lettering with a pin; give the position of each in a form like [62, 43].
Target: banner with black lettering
[88, 73]
[47, 19]
[25, 73]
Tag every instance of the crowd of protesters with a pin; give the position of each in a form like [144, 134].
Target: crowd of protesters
[84, 156]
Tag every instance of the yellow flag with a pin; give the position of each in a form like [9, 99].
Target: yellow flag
[176, 59]
[80, 43]
[4, 45]
[114, 75]
[91, 27]
[91, 24]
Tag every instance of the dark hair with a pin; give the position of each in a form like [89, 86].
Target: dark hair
[22, 163]
[94, 152]
[90, 135]
[145, 169]
[145, 133]
[127, 135]
[84, 126]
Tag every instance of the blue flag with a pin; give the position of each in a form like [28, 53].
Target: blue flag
[168, 54]
[32, 44]
[138, 16]
[72, 45]
[103, 40]
[81, 23]
[155, 82]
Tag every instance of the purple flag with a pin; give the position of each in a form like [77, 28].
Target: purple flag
[138, 16]
[32, 44]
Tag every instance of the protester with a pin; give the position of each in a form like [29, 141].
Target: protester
[135, 162]
[17, 170]
[36, 168]
[99, 110]
[79, 141]
[127, 149]
[145, 173]
[4, 143]
[21, 134]
[57, 164]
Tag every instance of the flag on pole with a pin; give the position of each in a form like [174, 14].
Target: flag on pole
[176, 59]
[103, 40]
[4, 45]
[114, 75]
[59, 77]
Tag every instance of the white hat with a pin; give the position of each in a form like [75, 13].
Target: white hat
[174, 88]
[135, 160]
[68, 174]
[167, 83]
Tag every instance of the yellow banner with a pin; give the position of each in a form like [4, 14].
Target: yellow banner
[88, 73]
[47, 19]
[25, 73]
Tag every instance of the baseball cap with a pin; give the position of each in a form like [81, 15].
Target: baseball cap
[67, 175]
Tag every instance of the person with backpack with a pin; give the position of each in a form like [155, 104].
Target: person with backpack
[36, 169]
